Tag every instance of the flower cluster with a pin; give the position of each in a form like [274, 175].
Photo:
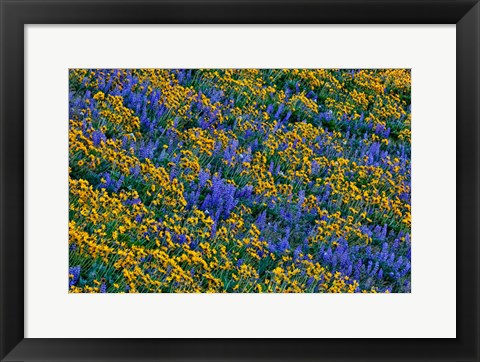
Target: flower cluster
[239, 180]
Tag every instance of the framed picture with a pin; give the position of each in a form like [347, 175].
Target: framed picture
[240, 180]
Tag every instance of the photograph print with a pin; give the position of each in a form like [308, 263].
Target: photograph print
[239, 181]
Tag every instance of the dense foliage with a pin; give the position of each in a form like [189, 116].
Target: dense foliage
[239, 180]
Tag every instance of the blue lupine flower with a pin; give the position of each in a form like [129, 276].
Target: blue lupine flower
[75, 275]
[98, 137]
[203, 177]
[283, 243]
[261, 220]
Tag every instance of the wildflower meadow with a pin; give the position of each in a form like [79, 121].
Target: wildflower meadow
[239, 181]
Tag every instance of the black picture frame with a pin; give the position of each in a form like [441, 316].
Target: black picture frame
[15, 14]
